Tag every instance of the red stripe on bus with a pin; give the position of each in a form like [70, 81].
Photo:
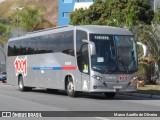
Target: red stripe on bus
[69, 68]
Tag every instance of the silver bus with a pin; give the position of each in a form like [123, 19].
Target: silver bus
[93, 59]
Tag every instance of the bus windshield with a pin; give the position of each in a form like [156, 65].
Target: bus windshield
[114, 54]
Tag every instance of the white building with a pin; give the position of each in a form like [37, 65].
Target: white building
[84, 5]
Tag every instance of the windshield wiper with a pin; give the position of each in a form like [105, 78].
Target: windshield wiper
[126, 68]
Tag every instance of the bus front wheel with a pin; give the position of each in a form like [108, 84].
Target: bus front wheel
[70, 88]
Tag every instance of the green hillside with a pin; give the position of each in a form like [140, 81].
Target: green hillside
[50, 8]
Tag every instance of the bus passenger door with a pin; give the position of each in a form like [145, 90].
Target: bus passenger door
[83, 65]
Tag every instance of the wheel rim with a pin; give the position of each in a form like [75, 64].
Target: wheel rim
[70, 87]
[20, 84]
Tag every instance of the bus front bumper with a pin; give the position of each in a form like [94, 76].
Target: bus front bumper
[113, 87]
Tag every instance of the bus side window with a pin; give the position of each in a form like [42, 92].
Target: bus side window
[67, 44]
[17, 48]
[53, 43]
[10, 49]
[24, 46]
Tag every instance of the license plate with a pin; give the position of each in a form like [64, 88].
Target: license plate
[123, 78]
[117, 87]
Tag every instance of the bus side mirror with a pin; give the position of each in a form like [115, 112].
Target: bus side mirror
[145, 49]
[92, 46]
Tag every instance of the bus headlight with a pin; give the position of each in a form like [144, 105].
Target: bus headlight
[97, 77]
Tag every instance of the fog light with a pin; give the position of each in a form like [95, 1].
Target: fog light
[132, 80]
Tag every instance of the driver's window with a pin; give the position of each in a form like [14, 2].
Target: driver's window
[83, 59]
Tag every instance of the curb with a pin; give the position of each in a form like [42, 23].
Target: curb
[141, 95]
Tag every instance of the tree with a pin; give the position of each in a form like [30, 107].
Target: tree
[120, 13]
[88, 16]
[149, 34]
[156, 19]
[31, 19]
[4, 32]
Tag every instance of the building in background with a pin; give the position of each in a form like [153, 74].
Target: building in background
[67, 6]
[84, 5]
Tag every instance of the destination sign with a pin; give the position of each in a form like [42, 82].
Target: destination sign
[98, 37]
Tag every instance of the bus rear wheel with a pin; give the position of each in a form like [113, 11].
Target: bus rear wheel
[109, 94]
[70, 88]
[21, 85]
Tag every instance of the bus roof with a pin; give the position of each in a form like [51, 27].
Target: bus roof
[105, 30]
[88, 28]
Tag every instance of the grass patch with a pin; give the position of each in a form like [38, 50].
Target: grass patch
[150, 89]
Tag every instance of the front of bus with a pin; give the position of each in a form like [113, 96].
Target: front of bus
[114, 64]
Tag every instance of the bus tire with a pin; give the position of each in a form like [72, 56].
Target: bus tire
[70, 88]
[21, 85]
[109, 94]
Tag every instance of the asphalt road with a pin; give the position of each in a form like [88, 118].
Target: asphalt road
[11, 99]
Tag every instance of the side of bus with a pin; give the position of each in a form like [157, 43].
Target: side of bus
[47, 60]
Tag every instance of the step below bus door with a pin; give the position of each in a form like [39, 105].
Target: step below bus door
[85, 82]
[85, 78]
